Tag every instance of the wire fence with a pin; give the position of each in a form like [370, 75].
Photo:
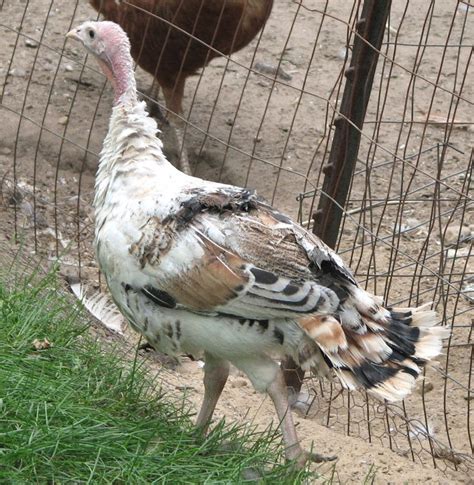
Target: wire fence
[265, 118]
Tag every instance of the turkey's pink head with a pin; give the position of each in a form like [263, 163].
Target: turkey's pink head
[110, 45]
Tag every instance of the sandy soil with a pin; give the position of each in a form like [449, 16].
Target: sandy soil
[279, 141]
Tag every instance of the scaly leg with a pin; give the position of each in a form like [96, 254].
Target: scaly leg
[267, 376]
[174, 102]
[278, 393]
[216, 372]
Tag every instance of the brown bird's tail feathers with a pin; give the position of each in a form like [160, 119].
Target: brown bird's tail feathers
[368, 346]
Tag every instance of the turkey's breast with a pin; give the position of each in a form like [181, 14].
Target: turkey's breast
[136, 245]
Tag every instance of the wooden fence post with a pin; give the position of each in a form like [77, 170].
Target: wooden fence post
[339, 170]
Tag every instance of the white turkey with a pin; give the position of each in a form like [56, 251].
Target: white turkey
[209, 269]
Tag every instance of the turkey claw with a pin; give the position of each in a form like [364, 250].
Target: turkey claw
[317, 458]
[305, 456]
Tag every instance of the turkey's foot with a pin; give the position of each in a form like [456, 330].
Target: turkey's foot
[301, 457]
[317, 458]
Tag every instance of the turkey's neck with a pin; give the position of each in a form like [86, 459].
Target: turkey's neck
[131, 154]
[119, 71]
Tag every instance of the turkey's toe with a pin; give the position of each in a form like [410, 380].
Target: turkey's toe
[305, 456]
[317, 458]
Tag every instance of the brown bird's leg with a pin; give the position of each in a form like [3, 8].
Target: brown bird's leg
[216, 372]
[293, 450]
[152, 103]
[174, 102]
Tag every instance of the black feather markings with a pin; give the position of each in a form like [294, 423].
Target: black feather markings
[328, 277]
[217, 202]
[403, 337]
[403, 317]
[279, 335]
[290, 289]
[396, 356]
[369, 374]
[330, 266]
[409, 370]
[160, 297]
[285, 304]
[264, 277]
[329, 362]
[341, 292]
[281, 217]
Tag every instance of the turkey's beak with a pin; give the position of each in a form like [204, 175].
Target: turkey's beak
[73, 34]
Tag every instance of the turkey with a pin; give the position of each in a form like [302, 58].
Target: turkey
[212, 270]
[170, 54]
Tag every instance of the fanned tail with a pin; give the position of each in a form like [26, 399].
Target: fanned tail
[371, 347]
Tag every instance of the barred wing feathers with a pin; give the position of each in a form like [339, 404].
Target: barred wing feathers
[237, 256]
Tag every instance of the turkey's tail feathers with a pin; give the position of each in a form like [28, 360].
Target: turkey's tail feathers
[384, 353]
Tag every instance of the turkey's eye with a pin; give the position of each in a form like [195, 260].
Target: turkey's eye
[91, 34]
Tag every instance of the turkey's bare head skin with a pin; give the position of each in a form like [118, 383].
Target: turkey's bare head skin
[110, 45]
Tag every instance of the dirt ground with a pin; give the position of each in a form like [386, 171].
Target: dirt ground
[410, 253]
[358, 461]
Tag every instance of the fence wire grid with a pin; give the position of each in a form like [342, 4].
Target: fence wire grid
[264, 117]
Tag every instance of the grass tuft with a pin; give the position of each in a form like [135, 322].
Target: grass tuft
[72, 410]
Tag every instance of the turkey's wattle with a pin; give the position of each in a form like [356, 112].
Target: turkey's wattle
[209, 269]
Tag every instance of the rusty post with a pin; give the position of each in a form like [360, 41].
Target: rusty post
[345, 144]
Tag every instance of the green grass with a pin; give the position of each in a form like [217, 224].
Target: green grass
[77, 412]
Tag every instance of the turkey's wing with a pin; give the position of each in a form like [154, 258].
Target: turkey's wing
[249, 261]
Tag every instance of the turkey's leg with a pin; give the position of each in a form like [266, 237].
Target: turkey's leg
[152, 103]
[216, 372]
[293, 450]
[174, 102]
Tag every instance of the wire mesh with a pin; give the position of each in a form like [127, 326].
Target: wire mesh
[264, 117]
